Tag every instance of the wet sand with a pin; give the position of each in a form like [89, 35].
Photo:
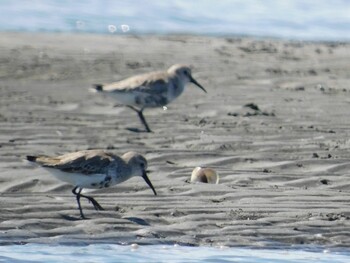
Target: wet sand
[274, 125]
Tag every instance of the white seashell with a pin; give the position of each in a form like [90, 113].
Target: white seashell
[204, 175]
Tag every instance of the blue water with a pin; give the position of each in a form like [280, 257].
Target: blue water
[157, 253]
[292, 19]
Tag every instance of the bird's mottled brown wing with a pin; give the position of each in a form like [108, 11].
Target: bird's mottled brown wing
[85, 162]
[152, 83]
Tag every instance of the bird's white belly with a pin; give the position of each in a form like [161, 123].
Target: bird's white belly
[126, 98]
[77, 179]
[142, 99]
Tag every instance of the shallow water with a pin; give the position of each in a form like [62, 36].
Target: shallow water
[295, 19]
[157, 253]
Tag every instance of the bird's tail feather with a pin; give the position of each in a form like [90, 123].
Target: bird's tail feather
[97, 87]
[31, 158]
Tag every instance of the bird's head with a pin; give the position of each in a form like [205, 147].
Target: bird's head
[183, 72]
[138, 165]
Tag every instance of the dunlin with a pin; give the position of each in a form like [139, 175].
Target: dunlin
[151, 90]
[94, 169]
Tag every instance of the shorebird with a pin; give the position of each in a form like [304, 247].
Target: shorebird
[150, 90]
[94, 169]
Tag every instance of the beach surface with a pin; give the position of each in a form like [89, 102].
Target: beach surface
[273, 124]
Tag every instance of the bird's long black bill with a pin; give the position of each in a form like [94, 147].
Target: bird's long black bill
[145, 177]
[199, 85]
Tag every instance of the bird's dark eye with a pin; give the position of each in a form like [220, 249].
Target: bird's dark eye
[186, 72]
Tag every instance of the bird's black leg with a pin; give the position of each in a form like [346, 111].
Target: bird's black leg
[77, 194]
[142, 118]
[96, 205]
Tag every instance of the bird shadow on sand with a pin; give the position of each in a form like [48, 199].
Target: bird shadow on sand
[71, 218]
[135, 220]
[137, 130]
[138, 221]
